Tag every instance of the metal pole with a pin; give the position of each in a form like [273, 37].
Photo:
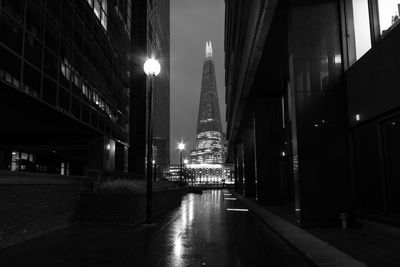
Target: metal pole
[180, 178]
[149, 155]
[155, 172]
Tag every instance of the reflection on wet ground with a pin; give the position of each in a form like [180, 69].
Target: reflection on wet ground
[211, 229]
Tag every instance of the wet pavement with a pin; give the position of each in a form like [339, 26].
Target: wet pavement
[206, 230]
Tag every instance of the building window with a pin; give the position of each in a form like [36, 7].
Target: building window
[388, 13]
[104, 14]
[362, 32]
[97, 8]
[100, 10]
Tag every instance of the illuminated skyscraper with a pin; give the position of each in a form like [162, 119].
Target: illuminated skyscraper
[208, 157]
[209, 130]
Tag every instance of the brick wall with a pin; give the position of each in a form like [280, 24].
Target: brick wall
[33, 204]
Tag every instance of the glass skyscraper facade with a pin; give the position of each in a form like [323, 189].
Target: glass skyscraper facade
[64, 78]
[207, 159]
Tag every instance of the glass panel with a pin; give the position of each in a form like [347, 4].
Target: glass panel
[97, 8]
[32, 79]
[361, 27]
[392, 146]
[388, 13]
[10, 73]
[11, 33]
[368, 170]
[104, 20]
[63, 100]
[49, 92]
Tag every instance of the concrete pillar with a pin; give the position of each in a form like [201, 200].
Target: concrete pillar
[249, 163]
[236, 173]
[267, 144]
[240, 180]
[119, 157]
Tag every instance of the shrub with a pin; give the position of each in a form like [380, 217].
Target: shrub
[134, 186]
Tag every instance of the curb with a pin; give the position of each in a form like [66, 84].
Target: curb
[315, 250]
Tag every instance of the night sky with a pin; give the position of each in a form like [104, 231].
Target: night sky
[192, 23]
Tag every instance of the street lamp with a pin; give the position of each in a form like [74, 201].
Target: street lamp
[181, 147]
[152, 68]
[154, 170]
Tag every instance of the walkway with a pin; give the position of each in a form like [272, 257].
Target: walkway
[201, 232]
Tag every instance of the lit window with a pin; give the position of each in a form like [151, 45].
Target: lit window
[97, 8]
[65, 69]
[388, 13]
[104, 6]
[76, 79]
[361, 27]
[104, 20]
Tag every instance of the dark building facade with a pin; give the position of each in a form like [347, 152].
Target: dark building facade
[64, 98]
[313, 106]
[150, 31]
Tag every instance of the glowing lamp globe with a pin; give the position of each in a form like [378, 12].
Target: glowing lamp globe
[152, 67]
[181, 146]
[186, 161]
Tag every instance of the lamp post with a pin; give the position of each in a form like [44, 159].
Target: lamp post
[181, 147]
[152, 68]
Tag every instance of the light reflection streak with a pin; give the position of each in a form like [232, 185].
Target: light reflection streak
[237, 209]
[178, 247]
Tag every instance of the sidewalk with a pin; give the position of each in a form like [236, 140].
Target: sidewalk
[331, 247]
[208, 229]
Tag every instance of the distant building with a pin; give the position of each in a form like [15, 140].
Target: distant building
[173, 172]
[151, 38]
[207, 159]
[64, 85]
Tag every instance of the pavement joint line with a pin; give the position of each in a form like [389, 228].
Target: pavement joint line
[317, 251]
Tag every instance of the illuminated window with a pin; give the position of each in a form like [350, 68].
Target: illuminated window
[388, 13]
[361, 27]
[97, 8]
[100, 10]
[104, 14]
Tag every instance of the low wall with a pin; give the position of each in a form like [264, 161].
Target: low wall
[32, 204]
[125, 208]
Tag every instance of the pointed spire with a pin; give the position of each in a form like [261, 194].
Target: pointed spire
[208, 49]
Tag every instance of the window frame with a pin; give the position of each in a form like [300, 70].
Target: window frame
[348, 31]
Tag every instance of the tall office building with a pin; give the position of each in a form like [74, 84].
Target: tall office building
[64, 85]
[208, 157]
[313, 108]
[150, 33]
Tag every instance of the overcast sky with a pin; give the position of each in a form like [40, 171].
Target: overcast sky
[192, 23]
